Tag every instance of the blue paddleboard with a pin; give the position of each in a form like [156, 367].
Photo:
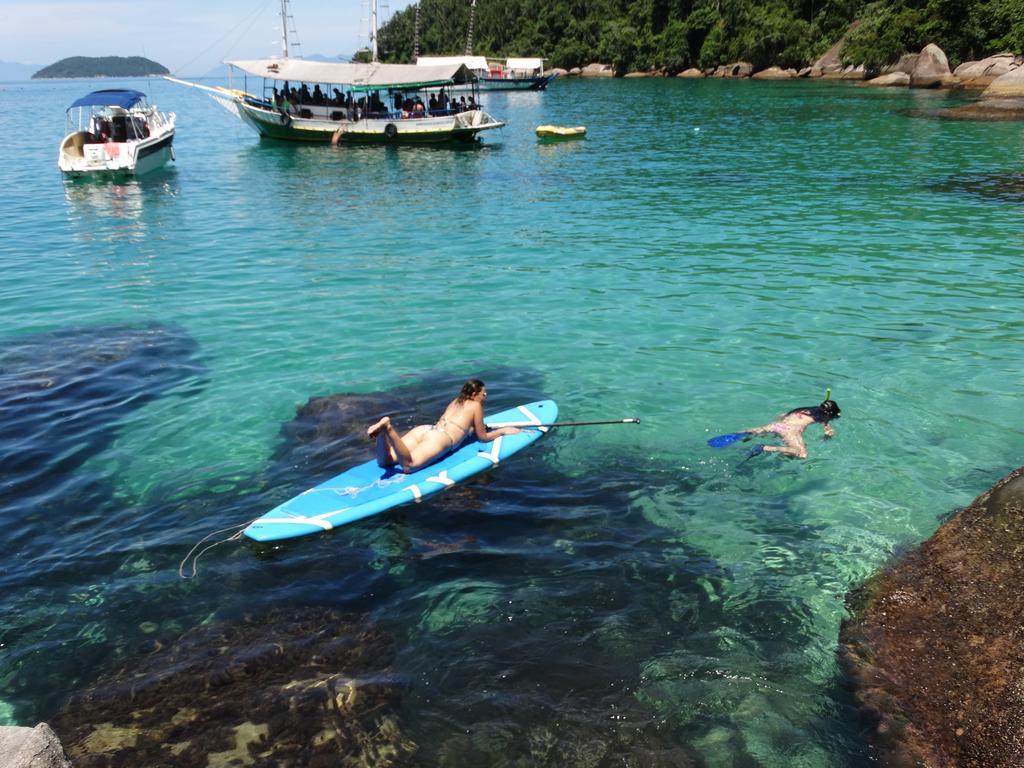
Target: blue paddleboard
[369, 489]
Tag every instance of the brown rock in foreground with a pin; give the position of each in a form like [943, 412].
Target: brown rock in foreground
[935, 648]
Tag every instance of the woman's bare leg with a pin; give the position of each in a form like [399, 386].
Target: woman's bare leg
[794, 446]
[402, 453]
[411, 450]
[385, 456]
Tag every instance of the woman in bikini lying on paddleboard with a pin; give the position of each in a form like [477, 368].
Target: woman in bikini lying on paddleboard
[421, 445]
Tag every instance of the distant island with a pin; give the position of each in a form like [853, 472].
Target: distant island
[102, 66]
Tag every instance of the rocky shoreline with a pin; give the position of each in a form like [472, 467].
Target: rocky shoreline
[1000, 76]
[935, 645]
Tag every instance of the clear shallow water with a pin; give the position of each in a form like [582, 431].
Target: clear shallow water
[712, 255]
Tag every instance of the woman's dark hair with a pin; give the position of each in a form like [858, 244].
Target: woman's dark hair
[469, 390]
[828, 410]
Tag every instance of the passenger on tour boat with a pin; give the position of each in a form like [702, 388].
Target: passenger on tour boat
[428, 442]
[791, 426]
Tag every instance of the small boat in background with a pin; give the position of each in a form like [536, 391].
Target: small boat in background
[115, 131]
[496, 75]
[561, 132]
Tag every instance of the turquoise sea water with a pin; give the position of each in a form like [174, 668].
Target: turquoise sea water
[712, 255]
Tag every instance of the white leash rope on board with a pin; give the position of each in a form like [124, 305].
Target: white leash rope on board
[238, 529]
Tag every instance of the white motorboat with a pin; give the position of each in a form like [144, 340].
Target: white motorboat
[115, 132]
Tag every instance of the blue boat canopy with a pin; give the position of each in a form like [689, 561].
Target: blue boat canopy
[112, 97]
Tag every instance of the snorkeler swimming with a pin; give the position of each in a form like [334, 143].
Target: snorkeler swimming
[790, 427]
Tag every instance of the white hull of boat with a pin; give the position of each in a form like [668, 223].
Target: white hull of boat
[539, 83]
[81, 157]
[273, 123]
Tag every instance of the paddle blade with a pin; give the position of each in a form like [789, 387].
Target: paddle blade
[723, 440]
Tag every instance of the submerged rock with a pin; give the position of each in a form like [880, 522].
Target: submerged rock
[986, 109]
[308, 687]
[1004, 187]
[935, 646]
[63, 392]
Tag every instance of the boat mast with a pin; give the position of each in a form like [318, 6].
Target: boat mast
[416, 36]
[373, 30]
[469, 32]
[284, 29]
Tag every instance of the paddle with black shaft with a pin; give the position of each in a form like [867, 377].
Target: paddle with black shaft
[560, 423]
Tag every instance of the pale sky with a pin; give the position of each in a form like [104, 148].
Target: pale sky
[189, 37]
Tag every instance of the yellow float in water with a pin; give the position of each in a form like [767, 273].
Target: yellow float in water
[561, 132]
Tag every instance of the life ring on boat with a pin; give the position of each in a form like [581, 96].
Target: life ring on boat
[390, 131]
[286, 119]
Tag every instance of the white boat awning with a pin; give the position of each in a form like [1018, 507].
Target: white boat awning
[471, 62]
[530, 64]
[358, 76]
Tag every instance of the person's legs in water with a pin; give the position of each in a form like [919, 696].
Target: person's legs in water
[794, 445]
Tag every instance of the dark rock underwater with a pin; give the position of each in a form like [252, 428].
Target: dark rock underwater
[267, 685]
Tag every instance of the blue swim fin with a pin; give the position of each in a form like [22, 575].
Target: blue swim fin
[723, 440]
[757, 450]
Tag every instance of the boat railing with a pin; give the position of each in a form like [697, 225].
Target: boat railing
[339, 113]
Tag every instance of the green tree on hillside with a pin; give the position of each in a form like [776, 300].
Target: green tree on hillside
[676, 34]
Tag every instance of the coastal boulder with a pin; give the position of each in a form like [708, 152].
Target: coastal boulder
[737, 69]
[773, 73]
[36, 747]
[931, 69]
[597, 70]
[575, 72]
[935, 642]
[639, 74]
[557, 72]
[891, 80]
[691, 72]
[853, 73]
[1010, 85]
[830, 61]
[980, 74]
[905, 65]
